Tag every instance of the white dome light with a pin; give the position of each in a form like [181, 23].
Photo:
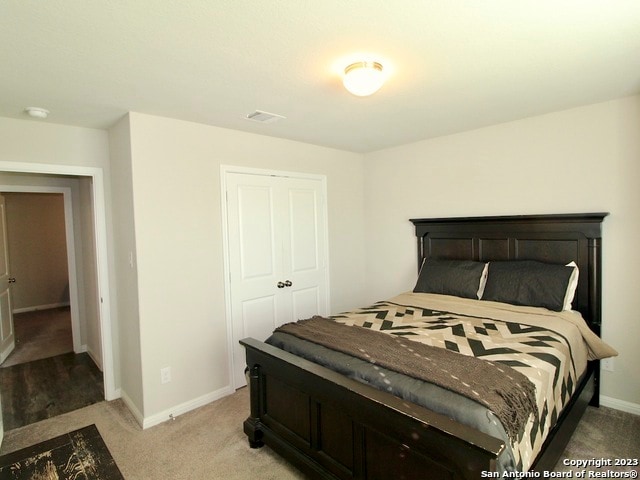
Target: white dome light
[363, 78]
[37, 112]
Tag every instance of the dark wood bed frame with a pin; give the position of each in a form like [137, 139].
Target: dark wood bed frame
[330, 426]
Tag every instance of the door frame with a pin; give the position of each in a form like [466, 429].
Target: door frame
[102, 266]
[71, 250]
[224, 170]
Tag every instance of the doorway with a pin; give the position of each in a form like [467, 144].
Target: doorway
[55, 311]
[92, 206]
[72, 236]
[45, 324]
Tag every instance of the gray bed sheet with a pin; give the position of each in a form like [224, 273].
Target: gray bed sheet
[459, 408]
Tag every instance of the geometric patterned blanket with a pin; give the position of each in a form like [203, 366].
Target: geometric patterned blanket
[540, 353]
[507, 393]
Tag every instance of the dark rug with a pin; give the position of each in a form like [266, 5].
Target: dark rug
[48, 387]
[79, 455]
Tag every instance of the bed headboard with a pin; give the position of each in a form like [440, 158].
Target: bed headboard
[559, 238]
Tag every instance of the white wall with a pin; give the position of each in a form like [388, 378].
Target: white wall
[178, 236]
[125, 267]
[32, 141]
[581, 160]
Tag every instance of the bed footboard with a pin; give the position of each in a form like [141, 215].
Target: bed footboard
[330, 426]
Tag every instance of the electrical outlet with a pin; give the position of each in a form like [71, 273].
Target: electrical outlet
[165, 375]
[607, 364]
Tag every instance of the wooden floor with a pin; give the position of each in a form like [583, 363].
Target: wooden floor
[48, 387]
[43, 378]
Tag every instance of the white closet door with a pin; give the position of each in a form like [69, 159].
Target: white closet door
[304, 262]
[276, 246]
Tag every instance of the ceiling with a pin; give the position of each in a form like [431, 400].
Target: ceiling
[452, 65]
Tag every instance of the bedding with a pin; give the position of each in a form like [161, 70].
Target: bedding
[504, 391]
[550, 348]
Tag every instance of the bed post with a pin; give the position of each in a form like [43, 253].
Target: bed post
[595, 283]
[420, 252]
[252, 426]
[595, 308]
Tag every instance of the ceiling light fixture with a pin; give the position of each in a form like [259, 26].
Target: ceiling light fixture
[37, 112]
[363, 78]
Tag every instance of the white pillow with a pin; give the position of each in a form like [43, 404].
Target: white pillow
[571, 287]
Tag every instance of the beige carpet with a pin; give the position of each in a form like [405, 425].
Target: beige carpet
[208, 443]
[40, 334]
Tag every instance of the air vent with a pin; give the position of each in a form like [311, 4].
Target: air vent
[264, 117]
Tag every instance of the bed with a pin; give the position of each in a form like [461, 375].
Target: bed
[332, 425]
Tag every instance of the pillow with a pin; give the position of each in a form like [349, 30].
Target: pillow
[571, 288]
[527, 282]
[461, 278]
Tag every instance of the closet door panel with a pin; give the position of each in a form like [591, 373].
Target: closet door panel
[305, 303]
[303, 229]
[304, 256]
[276, 255]
[255, 261]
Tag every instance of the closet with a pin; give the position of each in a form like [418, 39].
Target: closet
[277, 254]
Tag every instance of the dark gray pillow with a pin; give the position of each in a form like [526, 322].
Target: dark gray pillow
[527, 282]
[460, 278]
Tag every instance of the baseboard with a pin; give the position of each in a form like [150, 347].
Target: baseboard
[40, 307]
[185, 407]
[621, 405]
[7, 352]
[132, 408]
[96, 359]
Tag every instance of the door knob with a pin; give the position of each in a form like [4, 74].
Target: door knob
[280, 285]
[288, 283]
